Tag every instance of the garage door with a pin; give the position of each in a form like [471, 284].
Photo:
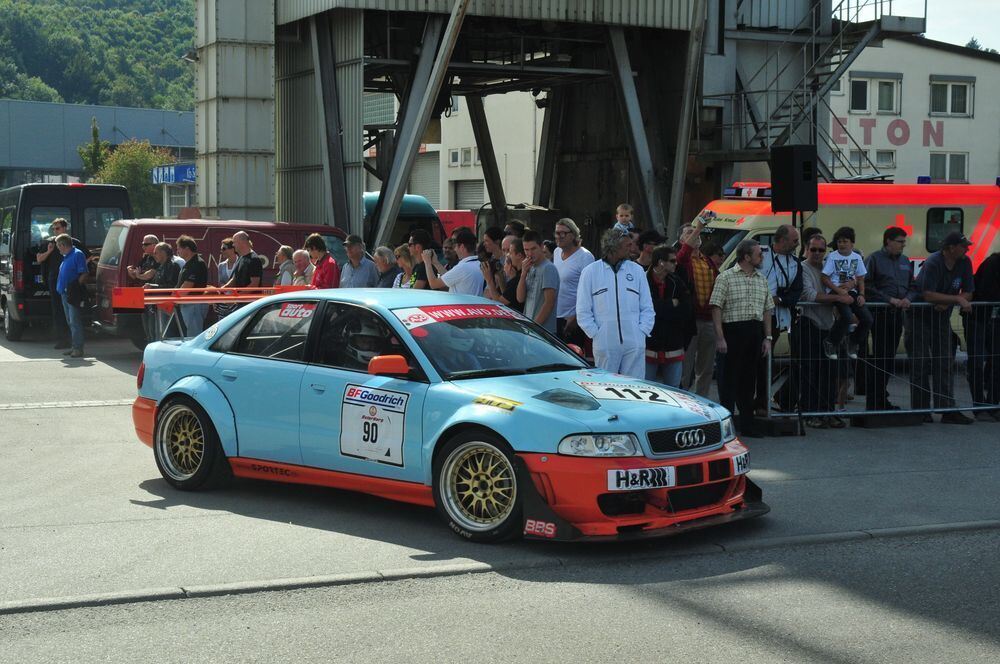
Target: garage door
[469, 194]
[425, 179]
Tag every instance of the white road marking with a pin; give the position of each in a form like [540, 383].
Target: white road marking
[65, 404]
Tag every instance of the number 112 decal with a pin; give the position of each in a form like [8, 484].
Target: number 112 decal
[630, 392]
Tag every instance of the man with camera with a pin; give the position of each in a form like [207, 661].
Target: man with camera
[466, 277]
[784, 281]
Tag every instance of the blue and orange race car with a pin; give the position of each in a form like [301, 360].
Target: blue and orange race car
[441, 400]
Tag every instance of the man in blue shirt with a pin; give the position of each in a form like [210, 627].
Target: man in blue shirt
[945, 281]
[70, 288]
[359, 271]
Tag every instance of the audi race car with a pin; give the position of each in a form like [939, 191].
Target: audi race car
[447, 401]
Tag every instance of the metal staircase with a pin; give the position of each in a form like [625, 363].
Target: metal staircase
[813, 52]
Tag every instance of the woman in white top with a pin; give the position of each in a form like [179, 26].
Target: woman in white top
[227, 260]
[405, 262]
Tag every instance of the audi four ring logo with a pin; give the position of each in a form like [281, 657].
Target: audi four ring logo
[689, 438]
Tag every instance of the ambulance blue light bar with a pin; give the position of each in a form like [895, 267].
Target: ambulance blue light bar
[923, 179]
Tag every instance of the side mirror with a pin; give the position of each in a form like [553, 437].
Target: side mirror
[576, 349]
[388, 365]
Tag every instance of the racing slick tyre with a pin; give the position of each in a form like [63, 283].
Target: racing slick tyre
[186, 446]
[11, 328]
[476, 488]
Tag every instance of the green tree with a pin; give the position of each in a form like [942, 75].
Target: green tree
[974, 43]
[95, 153]
[131, 164]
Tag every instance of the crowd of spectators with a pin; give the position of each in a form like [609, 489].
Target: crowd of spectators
[647, 308]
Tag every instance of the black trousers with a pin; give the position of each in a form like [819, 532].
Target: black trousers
[982, 339]
[736, 390]
[816, 376]
[932, 359]
[60, 328]
[887, 328]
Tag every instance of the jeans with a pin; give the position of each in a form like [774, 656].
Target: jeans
[815, 378]
[844, 311]
[668, 373]
[700, 358]
[74, 318]
[193, 316]
[60, 330]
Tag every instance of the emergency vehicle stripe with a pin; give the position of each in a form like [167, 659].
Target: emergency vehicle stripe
[987, 233]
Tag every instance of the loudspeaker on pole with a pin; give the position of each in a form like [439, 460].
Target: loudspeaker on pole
[794, 178]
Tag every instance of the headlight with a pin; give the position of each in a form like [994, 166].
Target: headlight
[728, 430]
[600, 445]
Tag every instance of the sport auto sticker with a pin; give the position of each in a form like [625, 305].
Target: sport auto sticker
[372, 424]
[297, 310]
[630, 392]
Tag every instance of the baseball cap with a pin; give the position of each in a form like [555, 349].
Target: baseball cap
[951, 239]
[353, 239]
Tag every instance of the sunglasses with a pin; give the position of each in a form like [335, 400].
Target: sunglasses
[148, 244]
[562, 233]
[816, 250]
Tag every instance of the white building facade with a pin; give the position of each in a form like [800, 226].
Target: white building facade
[917, 107]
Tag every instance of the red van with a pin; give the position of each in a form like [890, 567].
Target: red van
[123, 247]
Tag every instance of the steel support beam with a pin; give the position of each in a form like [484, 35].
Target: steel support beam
[548, 149]
[488, 158]
[325, 71]
[429, 75]
[696, 39]
[638, 143]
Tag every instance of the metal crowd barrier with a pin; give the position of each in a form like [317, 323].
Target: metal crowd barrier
[914, 357]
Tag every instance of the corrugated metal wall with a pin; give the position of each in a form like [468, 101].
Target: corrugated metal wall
[671, 14]
[302, 191]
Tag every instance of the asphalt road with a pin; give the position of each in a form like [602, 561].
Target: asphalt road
[84, 515]
[930, 599]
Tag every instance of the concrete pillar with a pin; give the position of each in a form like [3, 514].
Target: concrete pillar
[234, 108]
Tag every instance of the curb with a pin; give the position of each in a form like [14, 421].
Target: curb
[458, 569]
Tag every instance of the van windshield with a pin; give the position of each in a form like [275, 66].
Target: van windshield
[114, 245]
[722, 238]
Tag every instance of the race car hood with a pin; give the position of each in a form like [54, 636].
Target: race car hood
[599, 400]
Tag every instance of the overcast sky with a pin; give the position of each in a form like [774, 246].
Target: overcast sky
[956, 21]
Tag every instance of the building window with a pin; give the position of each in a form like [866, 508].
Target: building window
[466, 156]
[941, 222]
[885, 158]
[887, 97]
[858, 158]
[859, 96]
[949, 167]
[453, 158]
[475, 159]
[951, 99]
[838, 87]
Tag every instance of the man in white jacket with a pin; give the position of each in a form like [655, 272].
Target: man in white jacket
[614, 307]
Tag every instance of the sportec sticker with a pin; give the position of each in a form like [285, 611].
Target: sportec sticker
[296, 310]
[497, 402]
[630, 392]
[212, 331]
[372, 424]
[413, 317]
[690, 403]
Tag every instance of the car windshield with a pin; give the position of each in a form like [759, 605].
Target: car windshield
[724, 238]
[479, 341]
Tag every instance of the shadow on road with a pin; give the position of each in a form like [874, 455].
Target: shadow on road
[119, 354]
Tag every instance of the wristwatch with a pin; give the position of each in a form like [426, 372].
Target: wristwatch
[769, 338]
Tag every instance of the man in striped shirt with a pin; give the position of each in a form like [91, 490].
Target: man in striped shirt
[741, 314]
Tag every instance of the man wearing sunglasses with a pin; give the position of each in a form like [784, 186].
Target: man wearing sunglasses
[144, 272]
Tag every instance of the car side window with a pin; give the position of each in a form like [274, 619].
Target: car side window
[278, 331]
[941, 222]
[6, 228]
[351, 336]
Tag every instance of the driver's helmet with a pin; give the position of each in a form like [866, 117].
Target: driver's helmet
[364, 340]
[448, 339]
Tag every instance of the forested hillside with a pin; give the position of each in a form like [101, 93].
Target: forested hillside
[110, 52]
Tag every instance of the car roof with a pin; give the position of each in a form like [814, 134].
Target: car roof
[235, 224]
[412, 205]
[393, 298]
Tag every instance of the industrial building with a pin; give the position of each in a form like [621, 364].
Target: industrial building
[658, 102]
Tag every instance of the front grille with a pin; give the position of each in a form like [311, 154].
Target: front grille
[617, 504]
[719, 469]
[690, 474]
[696, 496]
[664, 441]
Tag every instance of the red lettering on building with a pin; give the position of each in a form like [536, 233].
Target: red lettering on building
[867, 124]
[839, 130]
[933, 132]
[898, 132]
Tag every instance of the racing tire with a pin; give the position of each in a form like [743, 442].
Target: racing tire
[186, 446]
[477, 487]
[12, 329]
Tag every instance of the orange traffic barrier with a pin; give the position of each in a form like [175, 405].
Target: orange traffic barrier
[136, 297]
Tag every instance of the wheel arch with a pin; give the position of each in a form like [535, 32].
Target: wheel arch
[207, 395]
[451, 430]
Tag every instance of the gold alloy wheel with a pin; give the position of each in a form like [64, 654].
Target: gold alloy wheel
[480, 488]
[181, 442]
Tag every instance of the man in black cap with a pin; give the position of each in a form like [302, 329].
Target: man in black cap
[945, 280]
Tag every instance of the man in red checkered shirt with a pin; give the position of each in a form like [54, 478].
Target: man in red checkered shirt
[701, 272]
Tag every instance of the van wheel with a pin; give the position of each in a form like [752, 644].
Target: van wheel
[11, 328]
